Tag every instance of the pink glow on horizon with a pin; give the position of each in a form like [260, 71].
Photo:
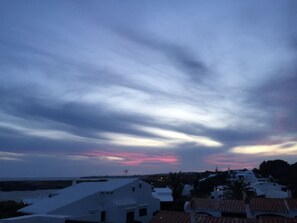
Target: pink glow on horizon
[234, 162]
[133, 158]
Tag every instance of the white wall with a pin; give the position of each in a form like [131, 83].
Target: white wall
[257, 213]
[96, 203]
[142, 196]
[88, 208]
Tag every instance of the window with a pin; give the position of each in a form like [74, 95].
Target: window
[142, 212]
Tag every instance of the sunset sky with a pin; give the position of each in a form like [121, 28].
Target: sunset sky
[97, 87]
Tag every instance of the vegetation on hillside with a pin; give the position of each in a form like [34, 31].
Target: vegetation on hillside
[27, 185]
[9, 209]
[282, 172]
[204, 183]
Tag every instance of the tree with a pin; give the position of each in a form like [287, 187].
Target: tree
[291, 177]
[283, 172]
[257, 172]
[206, 186]
[274, 168]
[9, 209]
[194, 192]
[175, 183]
[236, 189]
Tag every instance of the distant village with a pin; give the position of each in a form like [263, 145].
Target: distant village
[264, 195]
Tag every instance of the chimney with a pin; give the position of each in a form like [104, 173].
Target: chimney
[192, 214]
[74, 182]
[189, 208]
[289, 193]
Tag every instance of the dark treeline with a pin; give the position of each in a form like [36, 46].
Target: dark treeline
[33, 185]
[281, 171]
[278, 170]
[9, 209]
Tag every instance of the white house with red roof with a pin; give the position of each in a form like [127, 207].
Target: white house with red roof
[258, 207]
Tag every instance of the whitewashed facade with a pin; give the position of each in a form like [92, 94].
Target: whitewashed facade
[163, 194]
[113, 200]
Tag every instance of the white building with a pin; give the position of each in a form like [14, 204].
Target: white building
[219, 192]
[163, 194]
[267, 189]
[246, 175]
[257, 208]
[187, 190]
[114, 200]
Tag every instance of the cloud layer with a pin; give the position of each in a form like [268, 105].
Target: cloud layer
[90, 88]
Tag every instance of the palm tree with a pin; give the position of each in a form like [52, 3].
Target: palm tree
[175, 183]
[236, 190]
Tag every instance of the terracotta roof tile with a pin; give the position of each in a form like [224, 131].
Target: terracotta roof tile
[208, 219]
[182, 217]
[171, 217]
[204, 204]
[292, 204]
[268, 205]
[218, 205]
[277, 220]
[232, 206]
